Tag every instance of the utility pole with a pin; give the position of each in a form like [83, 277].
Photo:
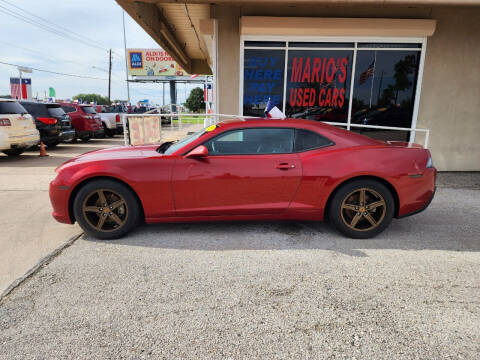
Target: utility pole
[126, 61]
[109, 74]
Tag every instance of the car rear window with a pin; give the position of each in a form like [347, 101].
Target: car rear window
[308, 140]
[11, 107]
[36, 109]
[56, 111]
[69, 109]
[88, 109]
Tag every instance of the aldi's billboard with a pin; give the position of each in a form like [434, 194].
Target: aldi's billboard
[152, 62]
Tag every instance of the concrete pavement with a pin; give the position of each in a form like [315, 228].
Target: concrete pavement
[28, 231]
[260, 291]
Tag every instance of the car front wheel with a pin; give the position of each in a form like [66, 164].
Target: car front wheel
[106, 209]
[362, 209]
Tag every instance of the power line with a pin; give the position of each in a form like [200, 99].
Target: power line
[51, 23]
[46, 56]
[55, 72]
[48, 28]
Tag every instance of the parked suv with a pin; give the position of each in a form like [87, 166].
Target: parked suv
[17, 128]
[51, 121]
[85, 120]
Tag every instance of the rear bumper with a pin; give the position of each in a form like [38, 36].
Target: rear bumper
[19, 141]
[417, 193]
[427, 204]
[67, 135]
[99, 133]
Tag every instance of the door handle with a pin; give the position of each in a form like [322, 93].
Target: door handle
[284, 166]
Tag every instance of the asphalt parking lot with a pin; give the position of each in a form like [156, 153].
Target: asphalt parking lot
[261, 291]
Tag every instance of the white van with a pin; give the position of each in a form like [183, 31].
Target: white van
[17, 128]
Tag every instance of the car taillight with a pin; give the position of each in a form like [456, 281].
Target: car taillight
[47, 120]
[117, 118]
[5, 122]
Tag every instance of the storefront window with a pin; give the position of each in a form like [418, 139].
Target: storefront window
[317, 83]
[384, 90]
[263, 76]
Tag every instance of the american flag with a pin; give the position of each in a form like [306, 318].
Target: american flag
[23, 92]
[367, 73]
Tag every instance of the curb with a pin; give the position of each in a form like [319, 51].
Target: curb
[36, 268]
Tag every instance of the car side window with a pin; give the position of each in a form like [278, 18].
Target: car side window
[308, 140]
[253, 141]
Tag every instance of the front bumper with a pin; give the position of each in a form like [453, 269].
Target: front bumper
[59, 199]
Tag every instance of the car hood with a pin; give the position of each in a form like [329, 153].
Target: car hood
[115, 153]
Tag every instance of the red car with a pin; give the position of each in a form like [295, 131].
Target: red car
[85, 120]
[252, 169]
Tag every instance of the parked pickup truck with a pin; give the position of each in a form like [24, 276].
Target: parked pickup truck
[112, 118]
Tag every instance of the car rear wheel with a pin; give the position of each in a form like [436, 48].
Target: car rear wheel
[14, 152]
[86, 138]
[106, 209]
[362, 209]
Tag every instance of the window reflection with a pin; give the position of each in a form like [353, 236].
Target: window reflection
[384, 89]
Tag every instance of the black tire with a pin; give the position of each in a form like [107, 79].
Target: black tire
[52, 144]
[14, 152]
[86, 138]
[367, 222]
[107, 132]
[131, 213]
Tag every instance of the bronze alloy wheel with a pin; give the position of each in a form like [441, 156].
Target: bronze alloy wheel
[363, 209]
[105, 210]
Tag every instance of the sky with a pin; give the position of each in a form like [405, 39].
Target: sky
[99, 23]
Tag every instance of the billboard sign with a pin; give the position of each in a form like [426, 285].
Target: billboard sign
[152, 62]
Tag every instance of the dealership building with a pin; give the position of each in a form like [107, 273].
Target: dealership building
[390, 69]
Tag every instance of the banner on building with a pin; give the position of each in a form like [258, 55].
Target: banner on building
[20, 92]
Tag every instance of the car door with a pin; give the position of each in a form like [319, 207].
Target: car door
[248, 171]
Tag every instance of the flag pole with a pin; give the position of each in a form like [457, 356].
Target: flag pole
[373, 77]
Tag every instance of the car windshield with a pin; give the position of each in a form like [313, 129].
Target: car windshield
[174, 146]
[88, 109]
[11, 107]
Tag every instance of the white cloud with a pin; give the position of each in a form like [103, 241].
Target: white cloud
[97, 20]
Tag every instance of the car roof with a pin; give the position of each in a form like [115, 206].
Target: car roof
[38, 102]
[336, 134]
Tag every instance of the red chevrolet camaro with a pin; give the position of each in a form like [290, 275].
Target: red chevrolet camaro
[251, 169]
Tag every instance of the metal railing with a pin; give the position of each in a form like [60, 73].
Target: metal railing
[211, 119]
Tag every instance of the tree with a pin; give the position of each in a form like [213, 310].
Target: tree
[88, 98]
[195, 101]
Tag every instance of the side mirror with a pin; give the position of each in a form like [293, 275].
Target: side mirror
[197, 153]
